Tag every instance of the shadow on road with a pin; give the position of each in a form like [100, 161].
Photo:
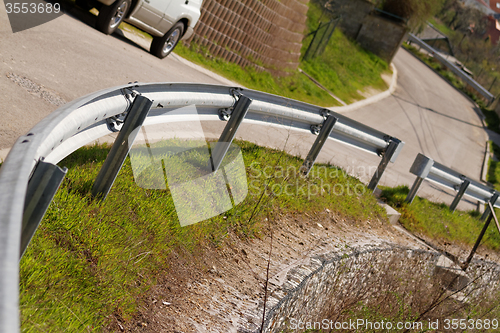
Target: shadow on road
[90, 19]
[440, 113]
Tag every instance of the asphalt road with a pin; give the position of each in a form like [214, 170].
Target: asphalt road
[433, 118]
[66, 58]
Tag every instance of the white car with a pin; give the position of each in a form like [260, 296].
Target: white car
[166, 20]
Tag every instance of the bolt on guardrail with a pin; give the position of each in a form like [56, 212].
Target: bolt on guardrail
[324, 133]
[119, 151]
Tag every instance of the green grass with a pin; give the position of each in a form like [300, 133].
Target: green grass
[295, 85]
[344, 68]
[493, 175]
[89, 262]
[438, 222]
[491, 119]
[443, 28]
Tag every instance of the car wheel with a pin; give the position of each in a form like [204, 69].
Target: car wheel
[110, 17]
[162, 46]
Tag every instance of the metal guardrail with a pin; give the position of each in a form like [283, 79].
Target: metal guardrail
[466, 264]
[29, 177]
[456, 70]
[426, 168]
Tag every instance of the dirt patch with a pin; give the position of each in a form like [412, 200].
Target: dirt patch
[216, 289]
[461, 251]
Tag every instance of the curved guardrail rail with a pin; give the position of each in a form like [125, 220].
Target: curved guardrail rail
[426, 168]
[457, 71]
[29, 177]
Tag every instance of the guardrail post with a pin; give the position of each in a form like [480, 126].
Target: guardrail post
[226, 138]
[460, 194]
[42, 187]
[492, 200]
[414, 189]
[478, 241]
[390, 154]
[320, 141]
[135, 118]
[421, 168]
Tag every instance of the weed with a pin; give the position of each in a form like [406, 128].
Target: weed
[437, 221]
[89, 262]
[404, 288]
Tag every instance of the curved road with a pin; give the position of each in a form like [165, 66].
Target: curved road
[433, 118]
[66, 58]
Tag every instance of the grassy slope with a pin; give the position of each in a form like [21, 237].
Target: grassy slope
[344, 67]
[436, 221]
[88, 261]
[295, 86]
[493, 175]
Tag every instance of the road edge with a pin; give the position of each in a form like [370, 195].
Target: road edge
[372, 99]
[205, 71]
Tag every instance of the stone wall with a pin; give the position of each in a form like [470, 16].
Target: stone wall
[353, 13]
[379, 35]
[312, 290]
[266, 34]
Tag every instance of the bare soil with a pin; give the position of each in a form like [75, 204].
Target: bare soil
[213, 289]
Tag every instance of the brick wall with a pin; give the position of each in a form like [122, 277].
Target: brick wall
[266, 34]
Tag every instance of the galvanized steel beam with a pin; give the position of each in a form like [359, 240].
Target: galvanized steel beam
[226, 138]
[114, 161]
[324, 133]
[491, 204]
[389, 154]
[460, 194]
[42, 187]
[81, 121]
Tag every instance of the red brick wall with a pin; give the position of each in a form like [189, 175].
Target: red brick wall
[266, 34]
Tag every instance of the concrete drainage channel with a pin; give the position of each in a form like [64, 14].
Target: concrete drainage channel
[310, 292]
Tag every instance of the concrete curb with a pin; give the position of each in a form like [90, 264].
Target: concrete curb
[373, 99]
[205, 71]
[339, 109]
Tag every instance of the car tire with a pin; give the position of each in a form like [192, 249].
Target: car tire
[111, 16]
[163, 46]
